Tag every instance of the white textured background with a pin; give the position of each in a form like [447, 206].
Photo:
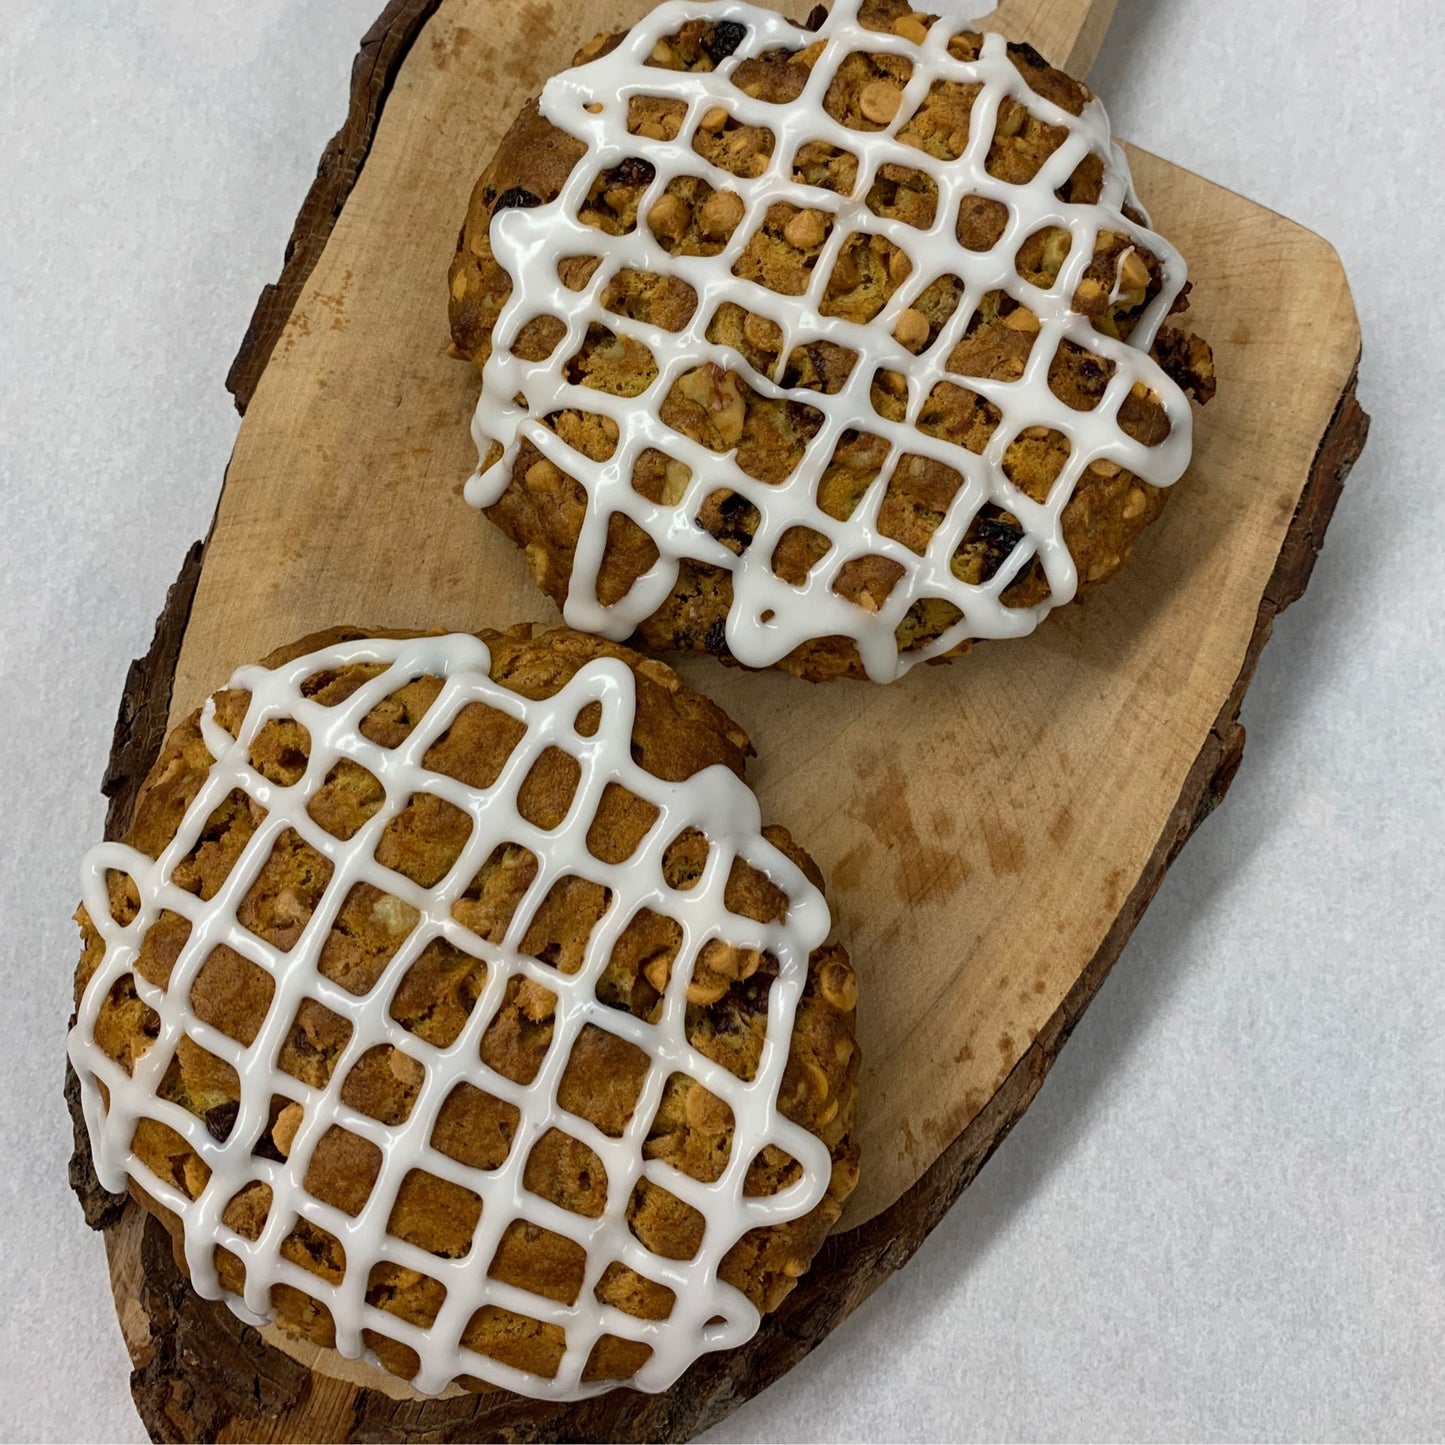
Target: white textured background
[1223, 1218]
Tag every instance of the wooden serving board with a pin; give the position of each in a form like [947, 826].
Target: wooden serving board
[991, 830]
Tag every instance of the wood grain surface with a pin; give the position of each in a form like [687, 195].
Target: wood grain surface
[992, 831]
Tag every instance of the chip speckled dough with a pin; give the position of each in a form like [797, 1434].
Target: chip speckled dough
[832, 351]
[450, 1005]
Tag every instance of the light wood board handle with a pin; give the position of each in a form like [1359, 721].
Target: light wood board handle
[1067, 33]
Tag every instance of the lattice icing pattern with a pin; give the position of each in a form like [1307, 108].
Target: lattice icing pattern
[835, 170]
[707, 1314]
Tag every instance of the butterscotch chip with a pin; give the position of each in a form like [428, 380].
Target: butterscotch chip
[911, 329]
[720, 213]
[911, 27]
[806, 229]
[879, 101]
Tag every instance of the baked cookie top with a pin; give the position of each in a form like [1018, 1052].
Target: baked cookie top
[829, 351]
[451, 1005]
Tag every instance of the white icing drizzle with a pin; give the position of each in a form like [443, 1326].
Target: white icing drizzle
[770, 617]
[708, 1314]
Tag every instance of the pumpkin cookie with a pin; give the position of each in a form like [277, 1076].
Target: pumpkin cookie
[449, 1004]
[830, 351]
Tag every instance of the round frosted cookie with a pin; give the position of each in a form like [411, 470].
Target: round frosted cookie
[831, 352]
[450, 1005]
